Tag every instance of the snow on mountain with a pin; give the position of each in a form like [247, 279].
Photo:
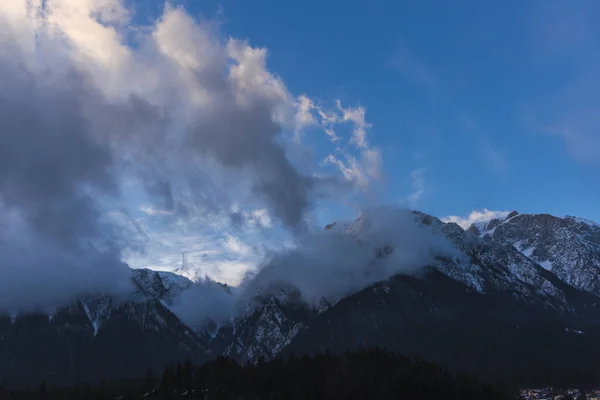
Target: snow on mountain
[568, 247]
[268, 325]
[160, 284]
[537, 261]
[485, 266]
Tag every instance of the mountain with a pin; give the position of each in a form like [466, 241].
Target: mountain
[161, 284]
[568, 247]
[100, 337]
[513, 299]
[489, 309]
[265, 329]
[494, 335]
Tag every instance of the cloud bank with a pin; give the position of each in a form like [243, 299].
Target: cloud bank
[99, 113]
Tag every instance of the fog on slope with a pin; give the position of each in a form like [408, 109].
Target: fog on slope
[330, 264]
[325, 264]
[203, 302]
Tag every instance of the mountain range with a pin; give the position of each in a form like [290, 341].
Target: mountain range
[517, 301]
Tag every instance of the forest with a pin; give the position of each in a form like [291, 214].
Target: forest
[366, 374]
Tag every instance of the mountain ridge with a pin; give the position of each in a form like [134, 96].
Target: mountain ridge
[488, 277]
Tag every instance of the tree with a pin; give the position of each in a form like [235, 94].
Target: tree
[150, 380]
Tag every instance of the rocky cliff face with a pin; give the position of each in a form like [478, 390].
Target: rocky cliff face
[568, 247]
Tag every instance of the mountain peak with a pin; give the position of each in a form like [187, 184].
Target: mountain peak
[569, 247]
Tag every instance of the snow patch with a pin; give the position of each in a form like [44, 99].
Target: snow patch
[583, 221]
[578, 332]
[547, 265]
[95, 323]
[528, 251]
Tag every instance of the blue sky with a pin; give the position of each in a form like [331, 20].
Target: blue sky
[282, 114]
[496, 102]
[476, 107]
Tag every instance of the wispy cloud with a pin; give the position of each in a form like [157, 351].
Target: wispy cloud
[355, 158]
[149, 210]
[357, 117]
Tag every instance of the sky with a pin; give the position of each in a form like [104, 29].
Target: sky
[218, 132]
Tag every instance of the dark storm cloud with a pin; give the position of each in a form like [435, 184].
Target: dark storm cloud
[194, 123]
[245, 136]
[50, 162]
[53, 167]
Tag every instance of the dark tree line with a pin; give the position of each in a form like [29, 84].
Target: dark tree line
[368, 374]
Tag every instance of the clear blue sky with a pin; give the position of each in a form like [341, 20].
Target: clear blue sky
[497, 101]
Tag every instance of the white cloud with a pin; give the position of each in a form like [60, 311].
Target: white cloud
[149, 210]
[475, 216]
[352, 170]
[360, 169]
[304, 116]
[357, 117]
[189, 123]
[235, 246]
[262, 217]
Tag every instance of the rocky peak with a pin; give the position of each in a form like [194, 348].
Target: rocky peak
[569, 247]
[160, 284]
[513, 213]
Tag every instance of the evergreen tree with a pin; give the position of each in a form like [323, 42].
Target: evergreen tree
[150, 380]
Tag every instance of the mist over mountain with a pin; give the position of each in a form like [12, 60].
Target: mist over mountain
[129, 142]
[193, 122]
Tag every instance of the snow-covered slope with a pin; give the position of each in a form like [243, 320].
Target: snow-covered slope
[568, 247]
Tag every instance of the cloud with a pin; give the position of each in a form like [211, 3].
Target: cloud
[357, 117]
[351, 170]
[333, 263]
[234, 245]
[475, 216]
[154, 211]
[325, 264]
[172, 122]
[204, 301]
[360, 169]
